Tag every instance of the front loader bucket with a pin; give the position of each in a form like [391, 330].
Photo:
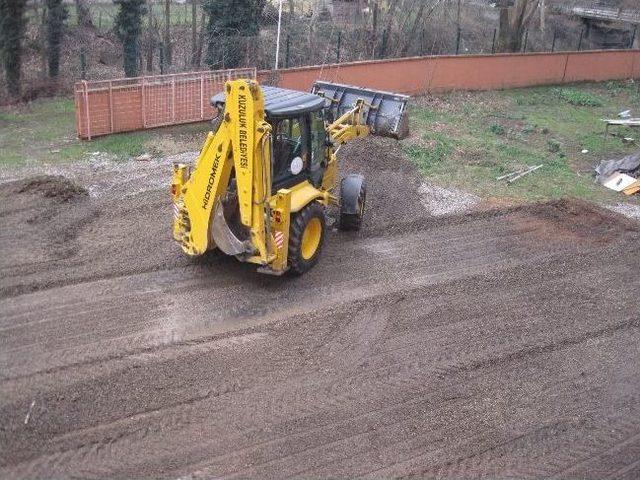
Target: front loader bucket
[384, 112]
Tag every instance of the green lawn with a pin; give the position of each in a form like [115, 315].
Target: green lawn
[464, 140]
[45, 131]
[467, 140]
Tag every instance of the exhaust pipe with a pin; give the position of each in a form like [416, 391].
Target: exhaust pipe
[384, 112]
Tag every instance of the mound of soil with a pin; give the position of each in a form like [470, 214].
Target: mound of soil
[393, 183]
[579, 219]
[50, 186]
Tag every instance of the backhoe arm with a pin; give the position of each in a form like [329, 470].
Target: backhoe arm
[350, 125]
[239, 147]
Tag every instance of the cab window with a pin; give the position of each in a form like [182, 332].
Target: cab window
[289, 144]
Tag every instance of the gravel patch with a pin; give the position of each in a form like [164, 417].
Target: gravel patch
[627, 209]
[102, 174]
[441, 201]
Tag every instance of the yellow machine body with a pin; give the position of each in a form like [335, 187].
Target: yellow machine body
[227, 200]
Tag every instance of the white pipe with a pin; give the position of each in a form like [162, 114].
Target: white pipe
[278, 38]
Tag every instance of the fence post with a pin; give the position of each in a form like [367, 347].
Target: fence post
[375, 29]
[553, 44]
[86, 108]
[493, 42]
[83, 64]
[581, 36]
[287, 52]
[338, 47]
[161, 58]
[201, 96]
[526, 40]
[383, 48]
[173, 100]
[142, 104]
[111, 106]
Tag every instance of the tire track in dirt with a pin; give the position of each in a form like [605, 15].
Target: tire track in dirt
[376, 388]
[491, 344]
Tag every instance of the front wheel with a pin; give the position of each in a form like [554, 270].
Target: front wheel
[353, 198]
[306, 238]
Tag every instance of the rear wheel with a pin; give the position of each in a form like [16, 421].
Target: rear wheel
[306, 238]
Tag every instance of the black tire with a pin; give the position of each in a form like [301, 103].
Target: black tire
[352, 204]
[311, 214]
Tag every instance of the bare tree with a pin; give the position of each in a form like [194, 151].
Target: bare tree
[83, 13]
[167, 31]
[150, 40]
[411, 36]
[194, 31]
[514, 22]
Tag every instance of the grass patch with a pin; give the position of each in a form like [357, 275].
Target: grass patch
[468, 140]
[577, 97]
[44, 131]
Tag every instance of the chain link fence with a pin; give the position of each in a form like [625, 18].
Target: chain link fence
[314, 32]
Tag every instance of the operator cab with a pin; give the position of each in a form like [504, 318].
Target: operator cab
[298, 132]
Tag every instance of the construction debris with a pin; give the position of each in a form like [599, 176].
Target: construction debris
[627, 122]
[624, 122]
[619, 181]
[512, 177]
[26, 419]
[620, 175]
[633, 189]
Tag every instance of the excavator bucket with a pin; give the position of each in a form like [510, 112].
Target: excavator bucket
[384, 112]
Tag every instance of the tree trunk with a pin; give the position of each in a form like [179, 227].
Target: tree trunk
[323, 10]
[198, 56]
[514, 22]
[41, 39]
[504, 28]
[291, 11]
[194, 31]
[374, 31]
[151, 41]
[167, 31]
[84, 15]
[56, 15]
[12, 28]
[409, 38]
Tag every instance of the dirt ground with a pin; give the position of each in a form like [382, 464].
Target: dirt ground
[499, 342]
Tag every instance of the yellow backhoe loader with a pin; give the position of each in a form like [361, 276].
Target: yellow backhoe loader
[265, 177]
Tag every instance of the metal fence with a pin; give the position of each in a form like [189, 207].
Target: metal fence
[111, 106]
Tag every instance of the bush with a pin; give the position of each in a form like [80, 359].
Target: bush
[578, 97]
[554, 146]
[497, 129]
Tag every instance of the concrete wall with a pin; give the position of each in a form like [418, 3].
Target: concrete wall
[468, 72]
[135, 106]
